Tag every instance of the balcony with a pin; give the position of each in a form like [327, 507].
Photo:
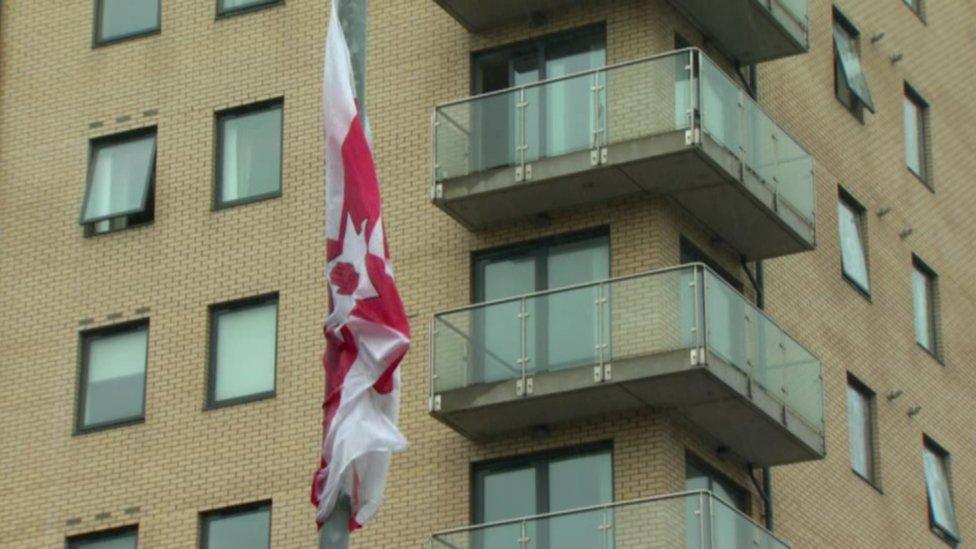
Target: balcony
[478, 15]
[673, 124]
[752, 31]
[696, 520]
[679, 338]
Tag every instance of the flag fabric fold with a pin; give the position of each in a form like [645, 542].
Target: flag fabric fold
[366, 330]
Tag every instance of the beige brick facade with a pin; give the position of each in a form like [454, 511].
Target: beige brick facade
[57, 92]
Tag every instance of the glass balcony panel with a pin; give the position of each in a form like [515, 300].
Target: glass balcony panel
[720, 111]
[760, 144]
[568, 110]
[797, 8]
[794, 174]
[648, 98]
[453, 140]
[730, 529]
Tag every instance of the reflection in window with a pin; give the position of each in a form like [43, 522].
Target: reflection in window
[244, 350]
[850, 216]
[250, 153]
[850, 84]
[942, 513]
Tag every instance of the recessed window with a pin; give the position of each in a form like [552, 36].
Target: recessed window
[113, 375]
[121, 538]
[917, 6]
[942, 513]
[850, 84]
[544, 483]
[860, 423]
[247, 527]
[227, 7]
[120, 19]
[243, 350]
[249, 153]
[916, 122]
[850, 226]
[924, 291]
[121, 173]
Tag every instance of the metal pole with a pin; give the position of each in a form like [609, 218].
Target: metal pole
[334, 534]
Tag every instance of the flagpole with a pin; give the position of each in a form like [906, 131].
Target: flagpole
[334, 534]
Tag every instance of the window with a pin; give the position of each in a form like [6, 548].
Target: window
[119, 192]
[917, 6]
[850, 228]
[560, 325]
[113, 375]
[942, 513]
[916, 122]
[545, 483]
[121, 538]
[243, 350]
[860, 422]
[562, 119]
[693, 254]
[727, 525]
[246, 527]
[249, 153]
[227, 7]
[120, 19]
[850, 84]
[924, 292]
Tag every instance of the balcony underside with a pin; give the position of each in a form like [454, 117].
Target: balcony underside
[746, 30]
[715, 398]
[703, 178]
[480, 15]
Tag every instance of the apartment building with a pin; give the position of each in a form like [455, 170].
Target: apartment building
[680, 273]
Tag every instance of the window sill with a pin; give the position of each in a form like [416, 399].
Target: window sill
[924, 181]
[80, 430]
[96, 43]
[245, 201]
[946, 538]
[230, 402]
[931, 353]
[224, 14]
[868, 481]
[866, 294]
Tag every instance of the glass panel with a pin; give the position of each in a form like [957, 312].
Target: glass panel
[500, 326]
[496, 120]
[245, 351]
[850, 61]
[125, 540]
[648, 98]
[852, 250]
[506, 495]
[940, 500]
[453, 138]
[115, 376]
[923, 305]
[913, 131]
[579, 481]
[571, 330]
[571, 112]
[238, 4]
[119, 178]
[733, 530]
[528, 119]
[797, 8]
[120, 18]
[794, 176]
[720, 109]
[246, 530]
[761, 145]
[859, 423]
[251, 154]
[457, 353]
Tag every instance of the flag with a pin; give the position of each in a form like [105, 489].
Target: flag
[366, 330]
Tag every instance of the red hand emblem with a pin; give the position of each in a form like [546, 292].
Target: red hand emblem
[344, 278]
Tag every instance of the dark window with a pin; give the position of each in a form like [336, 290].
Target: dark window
[249, 153]
[120, 538]
[938, 484]
[726, 524]
[244, 527]
[243, 350]
[853, 252]
[850, 84]
[113, 375]
[227, 7]
[925, 298]
[561, 325]
[693, 254]
[558, 118]
[121, 173]
[120, 19]
[916, 130]
[544, 483]
[860, 422]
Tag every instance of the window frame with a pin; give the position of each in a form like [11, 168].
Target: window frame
[932, 288]
[918, 9]
[856, 105]
[539, 461]
[136, 218]
[923, 134]
[242, 110]
[204, 518]
[213, 313]
[859, 211]
[98, 41]
[873, 461]
[102, 534]
[929, 444]
[85, 336]
[689, 252]
[745, 503]
[258, 6]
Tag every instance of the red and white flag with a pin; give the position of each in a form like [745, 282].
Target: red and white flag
[366, 331]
